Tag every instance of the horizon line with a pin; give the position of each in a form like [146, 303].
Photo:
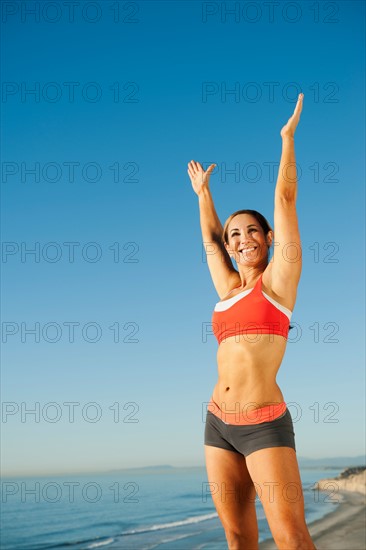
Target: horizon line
[161, 466]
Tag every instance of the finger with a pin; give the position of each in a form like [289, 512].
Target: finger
[210, 168]
[195, 168]
[298, 107]
[191, 170]
[198, 167]
[192, 166]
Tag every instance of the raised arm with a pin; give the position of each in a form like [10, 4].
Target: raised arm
[219, 262]
[287, 255]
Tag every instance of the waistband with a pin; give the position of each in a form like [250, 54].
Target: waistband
[247, 415]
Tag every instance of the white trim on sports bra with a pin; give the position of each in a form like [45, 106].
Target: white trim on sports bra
[221, 306]
[226, 304]
[282, 308]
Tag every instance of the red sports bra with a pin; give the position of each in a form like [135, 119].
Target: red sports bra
[251, 311]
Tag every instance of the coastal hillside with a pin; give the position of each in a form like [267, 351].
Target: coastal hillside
[331, 462]
[350, 479]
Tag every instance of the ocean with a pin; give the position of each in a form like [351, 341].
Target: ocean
[162, 508]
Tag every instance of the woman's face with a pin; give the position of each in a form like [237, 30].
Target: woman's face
[247, 243]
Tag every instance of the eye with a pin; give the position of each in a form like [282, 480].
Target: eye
[252, 229]
[235, 233]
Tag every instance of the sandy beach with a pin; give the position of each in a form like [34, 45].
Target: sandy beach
[343, 529]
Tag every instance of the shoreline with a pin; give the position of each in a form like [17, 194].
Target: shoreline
[345, 527]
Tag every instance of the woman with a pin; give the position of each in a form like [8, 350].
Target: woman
[249, 438]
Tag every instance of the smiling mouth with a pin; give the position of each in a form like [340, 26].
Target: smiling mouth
[244, 250]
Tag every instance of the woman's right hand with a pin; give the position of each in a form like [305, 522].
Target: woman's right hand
[199, 178]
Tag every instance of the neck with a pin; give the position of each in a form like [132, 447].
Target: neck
[249, 276]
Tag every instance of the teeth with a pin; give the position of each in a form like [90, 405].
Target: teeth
[246, 250]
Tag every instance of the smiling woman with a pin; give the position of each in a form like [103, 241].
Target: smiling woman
[261, 222]
[249, 435]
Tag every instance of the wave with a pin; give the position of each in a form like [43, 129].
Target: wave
[165, 541]
[101, 543]
[187, 521]
[92, 543]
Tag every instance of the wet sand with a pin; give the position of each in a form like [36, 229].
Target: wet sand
[343, 529]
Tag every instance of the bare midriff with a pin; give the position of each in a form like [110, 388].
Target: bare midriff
[247, 370]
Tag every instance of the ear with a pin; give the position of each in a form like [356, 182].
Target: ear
[228, 250]
[269, 238]
[226, 247]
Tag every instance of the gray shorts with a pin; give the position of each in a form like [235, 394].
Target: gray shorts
[249, 438]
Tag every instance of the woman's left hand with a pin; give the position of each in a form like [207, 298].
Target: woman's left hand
[289, 129]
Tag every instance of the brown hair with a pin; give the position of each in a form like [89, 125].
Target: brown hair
[257, 215]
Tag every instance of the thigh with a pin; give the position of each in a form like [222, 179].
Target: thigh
[276, 476]
[232, 490]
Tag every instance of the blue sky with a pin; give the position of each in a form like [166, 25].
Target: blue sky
[110, 155]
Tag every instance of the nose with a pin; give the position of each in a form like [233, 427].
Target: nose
[244, 237]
